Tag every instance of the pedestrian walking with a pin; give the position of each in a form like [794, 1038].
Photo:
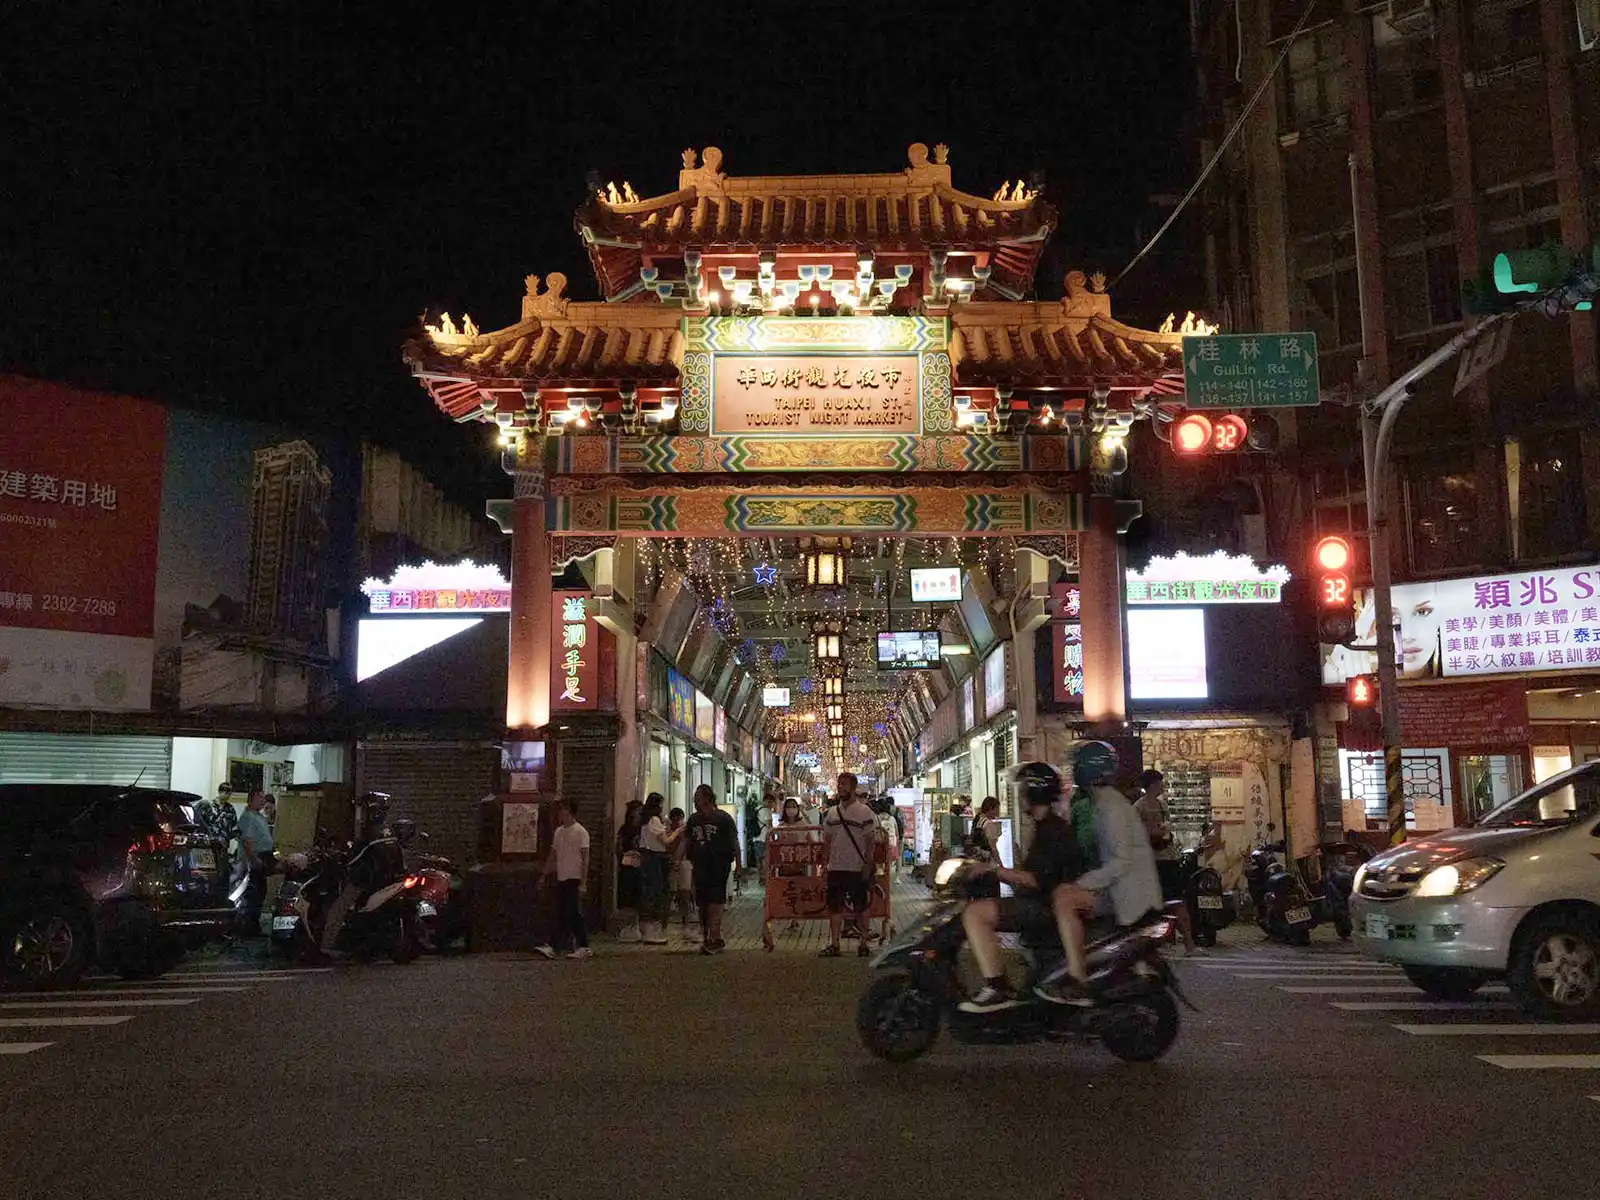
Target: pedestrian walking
[792, 818]
[655, 871]
[712, 845]
[255, 850]
[568, 863]
[629, 861]
[1152, 809]
[850, 829]
[981, 845]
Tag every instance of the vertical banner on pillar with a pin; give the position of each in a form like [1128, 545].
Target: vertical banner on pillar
[579, 655]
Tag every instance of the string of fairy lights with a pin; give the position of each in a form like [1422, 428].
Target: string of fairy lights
[792, 604]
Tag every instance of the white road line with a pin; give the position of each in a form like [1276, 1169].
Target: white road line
[267, 973]
[157, 1002]
[1355, 989]
[1542, 1062]
[184, 981]
[22, 1047]
[202, 990]
[1419, 1005]
[1500, 1030]
[20, 1022]
[1213, 965]
[1325, 976]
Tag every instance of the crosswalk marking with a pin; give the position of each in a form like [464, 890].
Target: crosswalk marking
[1419, 1005]
[1500, 1030]
[22, 1047]
[1542, 1062]
[1373, 989]
[286, 973]
[145, 1002]
[1359, 967]
[163, 990]
[184, 981]
[19, 1022]
[1326, 976]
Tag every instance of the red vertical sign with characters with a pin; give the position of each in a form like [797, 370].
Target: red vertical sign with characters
[582, 656]
[80, 516]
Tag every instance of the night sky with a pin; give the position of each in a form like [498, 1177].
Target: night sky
[246, 214]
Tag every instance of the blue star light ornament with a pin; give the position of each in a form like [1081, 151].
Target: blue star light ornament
[766, 574]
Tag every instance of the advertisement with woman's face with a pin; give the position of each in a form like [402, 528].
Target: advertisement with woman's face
[1417, 622]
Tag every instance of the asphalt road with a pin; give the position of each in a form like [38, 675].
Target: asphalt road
[667, 1074]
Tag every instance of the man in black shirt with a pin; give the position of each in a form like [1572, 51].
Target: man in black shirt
[713, 848]
[1054, 860]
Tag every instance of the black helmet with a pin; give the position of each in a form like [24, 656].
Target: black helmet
[1038, 783]
[1093, 763]
[405, 828]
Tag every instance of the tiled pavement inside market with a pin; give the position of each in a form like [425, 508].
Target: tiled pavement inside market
[1488, 1027]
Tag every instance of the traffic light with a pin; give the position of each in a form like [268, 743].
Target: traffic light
[1550, 272]
[1199, 434]
[1361, 691]
[1336, 612]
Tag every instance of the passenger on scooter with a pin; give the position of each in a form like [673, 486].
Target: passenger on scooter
[1045, 896]
[1127, 867]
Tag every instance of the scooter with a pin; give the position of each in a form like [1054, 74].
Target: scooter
[441, 894]
[1210, 908]
[382, 921]
[1340, 862]
[914, 989]
[1284, 910]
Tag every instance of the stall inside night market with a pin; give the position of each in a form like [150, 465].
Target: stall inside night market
[805, 419]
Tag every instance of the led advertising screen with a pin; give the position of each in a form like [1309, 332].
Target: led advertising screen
[929, 584]
[910, 648]
[775, 697]
[1167, 654]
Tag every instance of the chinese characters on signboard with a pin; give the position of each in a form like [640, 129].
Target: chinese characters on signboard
[680, 701]
[810, 394]
[1490, 625]
[575, 656]
[438, 600]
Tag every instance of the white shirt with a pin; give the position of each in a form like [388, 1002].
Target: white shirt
[653, 836]
[855, 818]
[568, 845]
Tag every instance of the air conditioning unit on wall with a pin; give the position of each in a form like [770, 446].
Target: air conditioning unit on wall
[1412, 16]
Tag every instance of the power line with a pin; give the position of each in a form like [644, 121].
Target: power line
[1216, 157]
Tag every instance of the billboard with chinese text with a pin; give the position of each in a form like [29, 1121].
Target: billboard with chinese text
[1486, 625]
[80, 511]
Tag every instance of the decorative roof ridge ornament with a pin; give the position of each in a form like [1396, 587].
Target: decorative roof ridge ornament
[1086, 296]
[547, 305]
[1192, 325]
[446, 329]
[706, 180]
[921, 172]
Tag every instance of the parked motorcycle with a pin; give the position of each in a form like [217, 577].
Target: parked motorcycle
[383, 919]
[441, 894]
[1284, 910]
[914, 988]
[1210, 908]
[1340, 862]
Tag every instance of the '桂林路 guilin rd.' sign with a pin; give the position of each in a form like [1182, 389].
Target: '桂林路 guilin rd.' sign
[812, 394]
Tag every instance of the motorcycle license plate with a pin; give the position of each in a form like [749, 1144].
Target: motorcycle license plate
[1378, 928]
[203, 859]
[283, 924]
[425, 909]
[1298, 916]
[1210, 901]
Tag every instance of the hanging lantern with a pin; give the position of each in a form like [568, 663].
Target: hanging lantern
[828, 641]
[837, 729]
[832, 685]
[835, 712]
[824, 562]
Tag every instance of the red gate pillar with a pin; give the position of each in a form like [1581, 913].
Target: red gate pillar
[1105, 699]
[528, 671]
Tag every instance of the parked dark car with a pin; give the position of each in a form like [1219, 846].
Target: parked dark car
[97, 875]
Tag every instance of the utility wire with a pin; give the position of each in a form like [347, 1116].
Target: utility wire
[1216, 157]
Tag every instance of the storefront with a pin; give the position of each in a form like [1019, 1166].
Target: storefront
[1500, 688]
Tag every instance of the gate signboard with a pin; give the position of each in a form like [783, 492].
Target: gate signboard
[1250, 370]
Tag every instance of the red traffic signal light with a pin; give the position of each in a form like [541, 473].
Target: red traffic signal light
[1336, 615]
[1361, 691]
[1199, 434]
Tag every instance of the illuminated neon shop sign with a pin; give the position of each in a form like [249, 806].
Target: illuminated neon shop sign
[458, 587]
[1219, 578]
[575, 655]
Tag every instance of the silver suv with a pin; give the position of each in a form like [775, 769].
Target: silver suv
[1516, 895]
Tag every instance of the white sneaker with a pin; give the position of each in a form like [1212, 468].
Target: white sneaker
[545, 950]
[581, 952]
[654, 935]
[630, 933]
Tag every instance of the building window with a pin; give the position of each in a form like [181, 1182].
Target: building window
[1444, 285]
[1331, 307]
[1547, 477]
[1316, 87]
[1441, 492]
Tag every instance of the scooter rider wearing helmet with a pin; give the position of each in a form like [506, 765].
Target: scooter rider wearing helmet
[373, 856]
[1045, 896]
[1127, 865]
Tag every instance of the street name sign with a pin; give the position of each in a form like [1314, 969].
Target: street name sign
[1250, 370]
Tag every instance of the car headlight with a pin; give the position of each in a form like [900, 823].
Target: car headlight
[947, 870]
[1361, 873]
[1453, 879]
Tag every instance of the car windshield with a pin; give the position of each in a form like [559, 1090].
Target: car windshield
[1559, 800]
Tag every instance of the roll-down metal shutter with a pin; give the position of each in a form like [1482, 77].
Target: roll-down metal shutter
[85, 758]
[438, 784]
